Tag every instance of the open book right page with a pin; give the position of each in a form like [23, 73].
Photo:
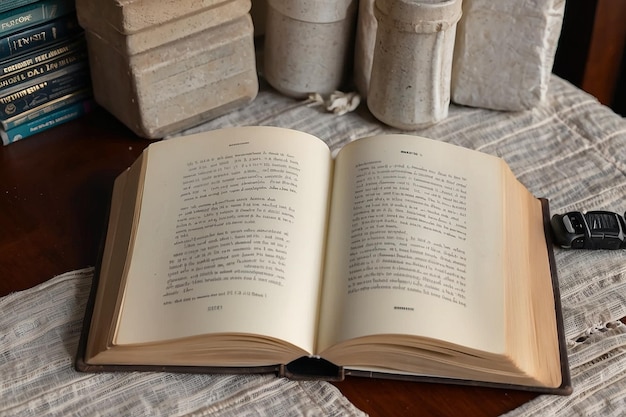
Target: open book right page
[415, 244]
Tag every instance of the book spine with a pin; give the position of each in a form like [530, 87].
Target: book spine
[15, 87]
[13, 4]
[39, 36]
[42, 69]
[47, 121]
[61, 83]
[46, 108]
[10, 66]
[33, 14]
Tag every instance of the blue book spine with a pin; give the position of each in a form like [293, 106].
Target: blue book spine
[42, 69]
[38, 56]
[46, 108]
[40, 36]
[33, 14]
[13, 4]
[47, 121]
[62, 82]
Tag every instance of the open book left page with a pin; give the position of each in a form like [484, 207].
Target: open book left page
[229, 239]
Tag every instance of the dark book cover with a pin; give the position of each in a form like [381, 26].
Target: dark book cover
[25, 14]
[60, 83]
[46, 108]
[14, 4]
[47, 121]
[24, 61]
[39, 70]
[39, 36]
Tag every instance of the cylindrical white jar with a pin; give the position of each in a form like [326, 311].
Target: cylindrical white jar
[308, 45]
[410, 79]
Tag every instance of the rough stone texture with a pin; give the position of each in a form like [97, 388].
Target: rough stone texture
[504, 52]
[308, 45]
[176, 74]
[177, 85]
[163, 32]
[410, 79]
[131, 16]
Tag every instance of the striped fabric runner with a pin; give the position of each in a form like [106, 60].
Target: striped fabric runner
[571, 150]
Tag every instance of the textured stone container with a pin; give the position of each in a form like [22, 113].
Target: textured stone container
[163, 66]
[308, 45]
[410, 79]
[504, 52]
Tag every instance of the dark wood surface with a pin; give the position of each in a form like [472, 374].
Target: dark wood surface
[54, 193]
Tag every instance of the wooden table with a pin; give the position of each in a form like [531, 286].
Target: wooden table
[54, 193]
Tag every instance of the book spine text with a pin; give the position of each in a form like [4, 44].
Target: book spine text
[39, 36]
[43, 91]
[47, 121]
[33, 58]
[34, 71]
[33, 14]
[46, 108]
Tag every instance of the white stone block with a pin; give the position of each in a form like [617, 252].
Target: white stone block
[504, 52]
[177, 85]
[159, 75]
[148, 37]
[131, 16]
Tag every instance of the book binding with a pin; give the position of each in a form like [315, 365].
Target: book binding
[39, 36]
[46, 108]
[46, 89]
[47, 121]
[31, 13]
[28, 60]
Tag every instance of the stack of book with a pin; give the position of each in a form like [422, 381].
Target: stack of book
[44, 71]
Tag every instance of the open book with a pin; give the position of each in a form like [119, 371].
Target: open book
[251, 249]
